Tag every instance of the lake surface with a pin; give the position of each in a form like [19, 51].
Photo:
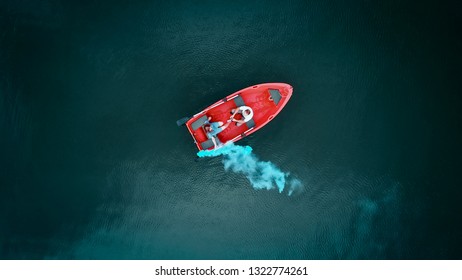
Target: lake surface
[93, 166]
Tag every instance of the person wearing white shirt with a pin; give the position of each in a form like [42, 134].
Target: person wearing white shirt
[245, 111]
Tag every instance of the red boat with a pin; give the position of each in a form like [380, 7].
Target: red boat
[265, 100]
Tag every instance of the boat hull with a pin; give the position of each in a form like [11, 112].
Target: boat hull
[266, 101]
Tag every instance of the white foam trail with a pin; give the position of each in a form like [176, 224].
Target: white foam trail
[261, 174]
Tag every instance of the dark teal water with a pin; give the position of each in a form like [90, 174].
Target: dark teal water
[92, 165]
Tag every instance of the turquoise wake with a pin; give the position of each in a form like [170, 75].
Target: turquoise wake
[261, 174]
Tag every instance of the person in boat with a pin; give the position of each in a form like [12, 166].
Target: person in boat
[245, 111]
[212, 129]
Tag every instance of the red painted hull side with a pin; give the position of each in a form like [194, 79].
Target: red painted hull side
[256, 97]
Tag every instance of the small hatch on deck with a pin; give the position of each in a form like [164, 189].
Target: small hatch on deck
[275, 95]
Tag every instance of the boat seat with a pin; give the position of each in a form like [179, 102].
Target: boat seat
[195, 125]
[239, 101]
[250, 123]
[207, 144]
[275, 95]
